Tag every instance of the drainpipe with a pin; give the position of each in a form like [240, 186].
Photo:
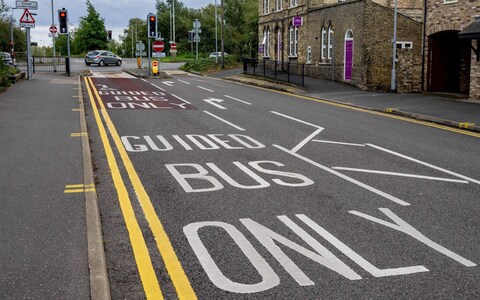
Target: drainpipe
[424, 39]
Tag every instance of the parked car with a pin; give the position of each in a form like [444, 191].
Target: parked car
[219, 54]
[102, 58]
[7, 59]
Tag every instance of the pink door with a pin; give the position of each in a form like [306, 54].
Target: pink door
[348, 59]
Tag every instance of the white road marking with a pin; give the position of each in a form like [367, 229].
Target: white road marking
[152, 84]
[305, 141]
[300, 121]
[425, 164]
[361, 184]
[169, 83]
[225, 121]
[183, 81]
[181, 99]
[401, 174]
[233, 98]
[203, 88]
[339, 143]
[214, 102]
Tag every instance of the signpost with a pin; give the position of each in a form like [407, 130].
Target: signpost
[27, 21]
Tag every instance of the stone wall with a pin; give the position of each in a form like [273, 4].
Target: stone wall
[409, 71]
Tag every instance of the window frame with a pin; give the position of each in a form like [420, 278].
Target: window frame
[330, 42]
[323, 49]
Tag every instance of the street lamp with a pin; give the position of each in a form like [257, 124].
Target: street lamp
[216, 37]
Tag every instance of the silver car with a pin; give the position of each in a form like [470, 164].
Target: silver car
[102, 58]
[7, 59]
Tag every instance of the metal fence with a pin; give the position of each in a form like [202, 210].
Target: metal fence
[276, 70]
[41, 63]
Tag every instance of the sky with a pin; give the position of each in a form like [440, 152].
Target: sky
[116, 13]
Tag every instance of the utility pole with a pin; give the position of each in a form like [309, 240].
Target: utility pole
[394, 51]
[53, 40]
[221, 34]
[216, 35]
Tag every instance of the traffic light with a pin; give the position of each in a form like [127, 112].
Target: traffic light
[190, 40]
[63, 20]
[109, 35]
[152, 25]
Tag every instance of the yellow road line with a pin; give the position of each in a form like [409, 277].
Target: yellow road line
[78, 134]
[172, 264]
[139, 246]
[79, 188]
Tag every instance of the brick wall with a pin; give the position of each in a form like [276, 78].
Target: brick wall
[455, 16]
[408, 71]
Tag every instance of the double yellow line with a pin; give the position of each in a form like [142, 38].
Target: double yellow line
[140, 250]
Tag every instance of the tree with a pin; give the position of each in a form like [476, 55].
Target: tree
[18, 34]
[91, 33]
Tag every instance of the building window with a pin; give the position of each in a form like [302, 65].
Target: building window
[266, 7]
[330, 43]
[293, 3]
[293, 40]
[324, 44]
[266, 43]
[278, 5]
[404, 45]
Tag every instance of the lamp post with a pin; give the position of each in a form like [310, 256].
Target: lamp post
[221, 36]
[394, 51]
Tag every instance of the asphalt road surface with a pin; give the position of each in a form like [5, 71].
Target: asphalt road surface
[214, 190]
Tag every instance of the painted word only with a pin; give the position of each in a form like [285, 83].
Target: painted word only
[319, 253]
[190, 142]
[195, 178]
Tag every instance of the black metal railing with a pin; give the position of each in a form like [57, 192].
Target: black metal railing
[41, 63]
[290, 72]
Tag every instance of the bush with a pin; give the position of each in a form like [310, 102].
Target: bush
[5, 72]
[208, 65]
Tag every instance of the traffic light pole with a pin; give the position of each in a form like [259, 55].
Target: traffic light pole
[29, 56]
[68, 56]
[149, 56]
[53, 40]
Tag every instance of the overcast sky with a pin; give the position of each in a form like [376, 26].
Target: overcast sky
[116, 13]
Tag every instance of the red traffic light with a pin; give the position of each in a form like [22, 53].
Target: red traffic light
[152, 19]
[63, 14]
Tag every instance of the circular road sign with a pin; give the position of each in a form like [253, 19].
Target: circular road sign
[173, 46]
[158, 46]
[53, 29]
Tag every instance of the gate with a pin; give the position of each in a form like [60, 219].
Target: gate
[41, 63]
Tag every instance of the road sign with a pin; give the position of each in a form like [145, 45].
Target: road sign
[33, 5]
[196, 24]
[27, 17]
[155, 67]
[55, 35]
[173, 46]
[159, 54]
[158, 46]
[140, 46]
[53, 29]
[27, 25]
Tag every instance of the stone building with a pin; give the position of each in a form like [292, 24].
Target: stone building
[451, 63]
[350, 41]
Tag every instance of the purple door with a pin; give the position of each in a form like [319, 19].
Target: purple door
[348, 60]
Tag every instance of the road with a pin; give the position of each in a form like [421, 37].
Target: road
[214, 190]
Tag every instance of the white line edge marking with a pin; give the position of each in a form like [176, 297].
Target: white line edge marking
[203, 88]
[339, 143]
[157, 87]
[186, 82]
[401, 174]
[300, 121]
[305, 141]
[181, 99]
[233, 98]
[425, 164]
[225, 121]
[361, 184]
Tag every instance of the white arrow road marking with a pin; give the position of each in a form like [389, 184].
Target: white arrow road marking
[214, 102]
[169, 83]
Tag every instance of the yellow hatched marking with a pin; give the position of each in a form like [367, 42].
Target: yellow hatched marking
[466, 125]
[79, 188]
[139, 246]
[172, 264]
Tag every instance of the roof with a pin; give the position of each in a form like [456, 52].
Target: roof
[472, 31]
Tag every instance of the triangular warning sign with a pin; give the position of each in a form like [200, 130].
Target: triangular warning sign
[27, 17]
